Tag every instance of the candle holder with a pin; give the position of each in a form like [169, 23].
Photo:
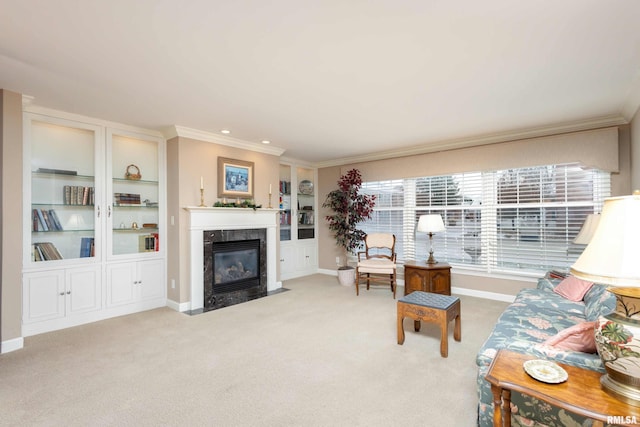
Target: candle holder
[202, 205]
[269, 207]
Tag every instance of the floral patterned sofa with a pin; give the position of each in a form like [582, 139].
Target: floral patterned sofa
[534, 317]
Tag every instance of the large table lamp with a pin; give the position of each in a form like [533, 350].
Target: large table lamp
[588, 229]
[612, 257]
[430, 224]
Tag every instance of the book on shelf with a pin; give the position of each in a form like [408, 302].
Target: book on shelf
[147, 243]
[86, 247]
[78, 195]
[126, 199]
[55, 220]
[46, 220]
[57, 171]
[43, 223]
[45, 251]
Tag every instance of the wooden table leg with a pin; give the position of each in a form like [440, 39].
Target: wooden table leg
[400, 326]
[444, 333]
[416, 325]
[497, 405]
[457, 331]
[506, 408]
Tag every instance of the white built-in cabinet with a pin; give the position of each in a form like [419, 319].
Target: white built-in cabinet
[298, 221]
[94, 228]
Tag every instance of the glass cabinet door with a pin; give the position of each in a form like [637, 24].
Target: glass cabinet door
[133, 214]
[63, 189]
[306, 203]
[285, 203]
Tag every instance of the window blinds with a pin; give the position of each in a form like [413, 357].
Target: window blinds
[521, 219]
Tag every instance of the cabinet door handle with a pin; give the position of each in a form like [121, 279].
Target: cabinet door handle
[109, 211]
[61, 294]
[68, 292]
[98, 210]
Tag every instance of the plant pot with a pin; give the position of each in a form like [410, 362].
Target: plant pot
[347, 276]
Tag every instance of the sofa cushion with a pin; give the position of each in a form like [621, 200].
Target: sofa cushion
[573, 288]
[580, 337]
[598, 301]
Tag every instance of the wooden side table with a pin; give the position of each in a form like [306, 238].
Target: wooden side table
[580, 394]
[420, 276]
[433, 308]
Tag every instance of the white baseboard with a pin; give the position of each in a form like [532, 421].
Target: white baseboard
[455, 290]
[11, 345]
[179, 306]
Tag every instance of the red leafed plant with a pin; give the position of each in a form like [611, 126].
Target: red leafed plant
[349, 207]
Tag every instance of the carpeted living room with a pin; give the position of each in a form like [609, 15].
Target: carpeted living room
[197, 195]
[313, 355]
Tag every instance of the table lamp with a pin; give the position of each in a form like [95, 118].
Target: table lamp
[588, 229]
[611, 258]
[431, 223]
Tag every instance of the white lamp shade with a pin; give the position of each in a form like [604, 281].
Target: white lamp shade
[588, 229]
[430, 223]
[613, 255]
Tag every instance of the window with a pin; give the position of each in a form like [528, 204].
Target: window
[508, 220]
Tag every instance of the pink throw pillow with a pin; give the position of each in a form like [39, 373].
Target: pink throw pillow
[573, 288]
[580, 337]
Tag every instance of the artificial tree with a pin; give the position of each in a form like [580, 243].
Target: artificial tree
[349, 208]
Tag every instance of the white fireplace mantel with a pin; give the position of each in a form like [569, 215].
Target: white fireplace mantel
[204, 218]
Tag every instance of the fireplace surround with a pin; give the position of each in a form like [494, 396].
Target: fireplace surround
[203, 219]
[234, 266]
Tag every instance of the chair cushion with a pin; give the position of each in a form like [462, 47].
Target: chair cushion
[375, 265]
[379, 240]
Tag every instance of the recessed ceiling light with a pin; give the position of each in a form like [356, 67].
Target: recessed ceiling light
[265, 141]
[225, 131]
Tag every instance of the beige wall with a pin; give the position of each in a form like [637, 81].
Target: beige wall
[608, 149]
[635, 151]
[11, 219]
[188, 160]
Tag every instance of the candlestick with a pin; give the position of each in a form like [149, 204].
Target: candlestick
[202, 205]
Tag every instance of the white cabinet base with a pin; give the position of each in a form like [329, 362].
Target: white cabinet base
[298, 259]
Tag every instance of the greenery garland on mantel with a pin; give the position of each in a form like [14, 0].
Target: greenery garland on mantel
[243, 204]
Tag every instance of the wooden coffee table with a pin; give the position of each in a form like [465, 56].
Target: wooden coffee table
[580, 394]
[434, 308]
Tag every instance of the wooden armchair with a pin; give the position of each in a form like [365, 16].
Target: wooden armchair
[377, 263]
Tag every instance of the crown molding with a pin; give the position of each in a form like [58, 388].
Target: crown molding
[29, 107]
[452, 144]
[200, 135]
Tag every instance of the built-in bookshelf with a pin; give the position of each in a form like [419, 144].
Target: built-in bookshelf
[94, 229]
[298, 244]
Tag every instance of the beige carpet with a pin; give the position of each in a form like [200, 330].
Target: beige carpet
[316, 355]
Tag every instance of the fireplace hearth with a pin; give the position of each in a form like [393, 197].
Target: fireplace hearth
[235, 268]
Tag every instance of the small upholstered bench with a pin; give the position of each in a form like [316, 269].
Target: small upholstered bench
[434, 308]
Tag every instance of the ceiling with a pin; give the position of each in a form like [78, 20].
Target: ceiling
[332, 80]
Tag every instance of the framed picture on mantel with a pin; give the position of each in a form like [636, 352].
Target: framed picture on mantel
[235, 178]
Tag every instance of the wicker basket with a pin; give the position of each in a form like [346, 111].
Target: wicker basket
[133, 175]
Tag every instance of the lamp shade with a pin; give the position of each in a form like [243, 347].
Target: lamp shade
[588, 229]
[430, 223]
[611, 256]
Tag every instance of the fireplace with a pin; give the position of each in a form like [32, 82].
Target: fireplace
[210, 219]
[234, 266]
